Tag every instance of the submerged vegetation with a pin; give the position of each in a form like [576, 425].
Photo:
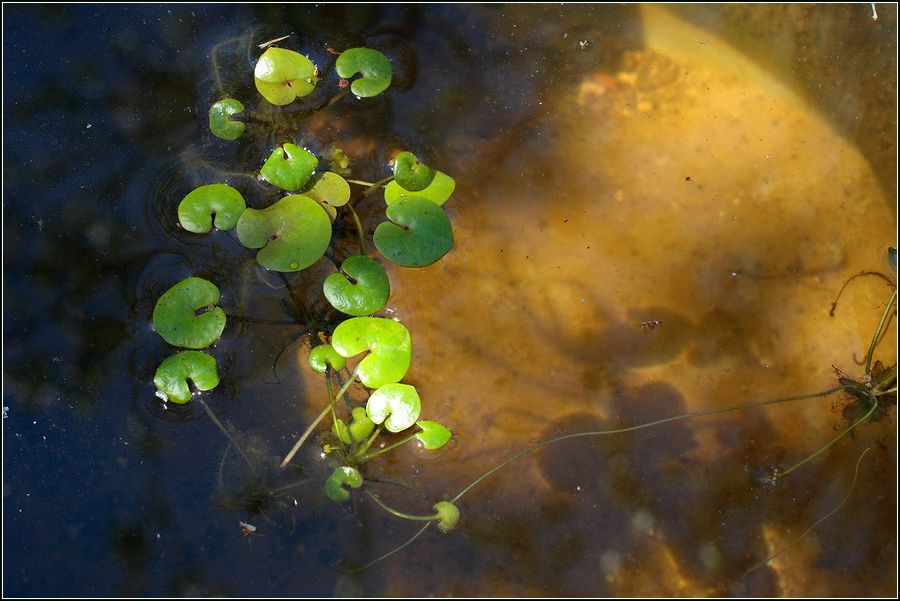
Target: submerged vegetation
[297, 231]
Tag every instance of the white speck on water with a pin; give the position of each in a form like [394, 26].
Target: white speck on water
[89, 126]
[5, 412]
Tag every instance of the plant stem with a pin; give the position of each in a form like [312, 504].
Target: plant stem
[368, 456]
[392, 551]
[658, 422]
[400, 514]
[359, 230]
[227, 434]
[360, 182]
[362, 450]
[305, 435]
[830, 444]
[265, 322]
[872, 346]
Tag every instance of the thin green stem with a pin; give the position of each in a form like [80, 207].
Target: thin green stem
[369, 456]
[874, 343]
[297, 484]
[392, 551]
[400, 514]
[360, 182]
[338, 96]
[227, 434]
[305, 435]
[362, 450]
[816, 523]
[658, 422]
[830, 444]
[359, 229]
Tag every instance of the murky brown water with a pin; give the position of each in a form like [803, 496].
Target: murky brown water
[685, 188]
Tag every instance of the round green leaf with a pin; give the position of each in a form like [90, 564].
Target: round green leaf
[175, 319]
[282, 75]
[172, 377]
[331, 189]
[361, 426]
[410, 173]
[196, 210]
[421, 236]
[334, 488]
[322, 356]
[368, 295]
[448, 516]
[397, 405]
[438, 191]
[220, 122]
[433, 435]
[374, 66]
[293, 233]
[388, 343]
[289, 167]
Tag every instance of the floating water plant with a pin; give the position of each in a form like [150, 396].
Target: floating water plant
[175, 318]
[282, 76]
[174, 375]
[221, 123]
[361, 289]
[387, 342]
[438, 191]
[374, 67]
[410, 174]
[331, 191]
[196, 211]
[418, 234]
[292, 234]
[289, 167]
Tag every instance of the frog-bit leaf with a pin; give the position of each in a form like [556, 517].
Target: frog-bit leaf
[301, 231]
[448, 516]
[220, 122]
[433, 435]
[289, 167]
[175, 320]
[370, 292]
[197, 208]
[438, 191]
[282, 76]
[397, 405]
[322, 356]
[421, 236]
[410, 173]
[374, 66]
[334, 485]
[172, 377]
[388, 342]
[331, 189]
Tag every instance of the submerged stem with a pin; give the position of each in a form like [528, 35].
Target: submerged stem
[400, 514]
[227, 434]
[364, 457]
[359, 230]
[305, 435]
[874, 343]
[658, 422]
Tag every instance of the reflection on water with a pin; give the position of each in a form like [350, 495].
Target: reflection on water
[646, 224]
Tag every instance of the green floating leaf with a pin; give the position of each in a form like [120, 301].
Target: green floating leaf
[438, 191]
[410, 173]
[340, 162]
[282, 76]
[293, 233]
[175, 319]
[448, 516]
[367, 295]
[421, 236]
[388, 343]
[433, 435]
[320, 357]
[172, 377]
[397, 405]
[289, 167]
[359, 428]
[334, 488]
[331, 189]
[220, 122]
[197, 208]
[374, 66]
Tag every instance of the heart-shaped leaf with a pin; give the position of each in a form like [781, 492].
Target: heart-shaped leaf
[438, 191]
[220, 122]
[420, 235]
[388, 343]
[289, 167]
[433, 435]
[293, 233]
[397, 405]
[175, 319]
[448, 516]
[367, 295]
[334, 488]
[320, 357]
[331, 189]
[197, 208]
[374, 66]
[410, 173]
[172, 377]
[282, 75]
